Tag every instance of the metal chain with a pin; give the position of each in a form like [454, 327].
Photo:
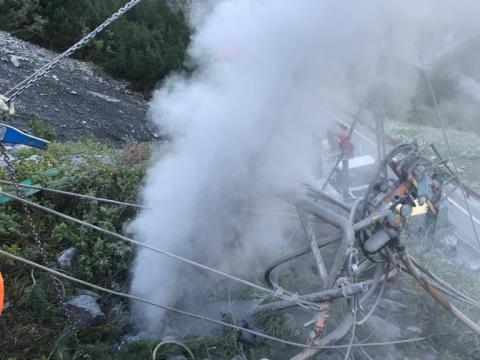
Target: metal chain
[18, 89]
[57, 286]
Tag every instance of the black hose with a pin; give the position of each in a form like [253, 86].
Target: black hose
[326, 241]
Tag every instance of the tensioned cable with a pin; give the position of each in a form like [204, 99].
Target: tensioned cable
[83, 196]
[444, 131]
[302, 303]
[450, 290]
[193, 315]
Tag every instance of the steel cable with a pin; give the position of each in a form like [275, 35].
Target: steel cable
[83, 196]
[301, 303]
[193, 315]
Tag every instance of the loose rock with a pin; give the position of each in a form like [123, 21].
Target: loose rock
[14, 61]
[88, 292]
[66, 258]
[85, 310]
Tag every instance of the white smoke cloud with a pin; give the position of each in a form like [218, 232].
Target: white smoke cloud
[243, 125]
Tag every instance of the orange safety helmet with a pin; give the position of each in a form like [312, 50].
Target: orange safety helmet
[1, 293]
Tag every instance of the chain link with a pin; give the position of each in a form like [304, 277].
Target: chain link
[18, 89]
[57, 286]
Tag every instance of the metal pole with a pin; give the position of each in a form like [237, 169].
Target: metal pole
[380, 135]
[345, 177]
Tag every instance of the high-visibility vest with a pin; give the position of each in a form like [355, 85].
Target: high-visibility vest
[1, 293]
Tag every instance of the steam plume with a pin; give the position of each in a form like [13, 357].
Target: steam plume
[243, 125]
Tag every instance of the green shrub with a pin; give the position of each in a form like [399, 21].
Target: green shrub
[41, 128]
[86, 167]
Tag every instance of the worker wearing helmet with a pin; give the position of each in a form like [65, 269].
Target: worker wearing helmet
[339, 141]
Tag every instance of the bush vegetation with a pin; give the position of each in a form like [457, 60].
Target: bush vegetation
[32, 326]
[142, 47]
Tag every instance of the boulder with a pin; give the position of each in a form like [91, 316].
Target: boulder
[66, 258]
[85, 310]
[89, 293]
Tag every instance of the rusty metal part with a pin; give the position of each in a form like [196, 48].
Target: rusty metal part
[321, 319]
[392, 274]
[329, 339]
[329, 279]
[437, 295]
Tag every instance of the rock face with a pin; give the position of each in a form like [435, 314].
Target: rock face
[77, 98]
[85, 310]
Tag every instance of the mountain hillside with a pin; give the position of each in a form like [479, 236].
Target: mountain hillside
[77, 98]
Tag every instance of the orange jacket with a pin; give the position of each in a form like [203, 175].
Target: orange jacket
[1, 293]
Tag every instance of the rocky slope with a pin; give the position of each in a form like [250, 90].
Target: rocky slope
[77, 98]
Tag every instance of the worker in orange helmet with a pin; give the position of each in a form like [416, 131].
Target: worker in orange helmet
[339, 141]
